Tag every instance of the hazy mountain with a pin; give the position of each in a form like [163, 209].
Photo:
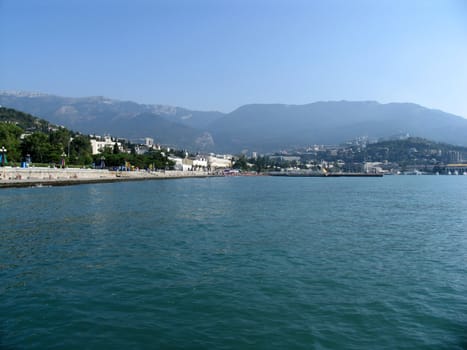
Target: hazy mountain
[274, 126]
[100, 115]
[257, 127]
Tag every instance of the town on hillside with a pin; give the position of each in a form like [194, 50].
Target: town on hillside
[27, 141]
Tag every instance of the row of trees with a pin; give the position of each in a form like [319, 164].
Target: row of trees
[112, 158]
[263, 163]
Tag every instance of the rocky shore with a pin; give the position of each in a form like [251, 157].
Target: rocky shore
[27, 177]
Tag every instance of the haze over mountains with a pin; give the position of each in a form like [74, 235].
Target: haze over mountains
[256, 127]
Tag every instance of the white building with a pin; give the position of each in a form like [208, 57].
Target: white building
[149, 142]
[98, 145]
[182, 164]
[200, 163]
[373, 167]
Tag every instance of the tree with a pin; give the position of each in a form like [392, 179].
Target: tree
[158, 159]
[80, 150]
[60, 138]
[10, 139]
[116, 149]
[38, 146]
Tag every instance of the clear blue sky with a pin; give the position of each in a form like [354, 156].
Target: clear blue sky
[220, 54]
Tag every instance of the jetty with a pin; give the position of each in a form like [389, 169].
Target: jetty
[322, 174]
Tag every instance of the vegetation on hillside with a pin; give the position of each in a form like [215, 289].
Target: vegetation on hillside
[29, 138]
[412, 149]
[412, 152]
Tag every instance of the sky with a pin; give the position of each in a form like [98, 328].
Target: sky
[221, 54]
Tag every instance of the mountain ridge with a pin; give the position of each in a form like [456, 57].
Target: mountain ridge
[253, 127]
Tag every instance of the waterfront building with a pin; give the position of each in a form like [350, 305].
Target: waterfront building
[373, 167]
[182, 164]
[454, 157]
[200, 163]
[219, 161]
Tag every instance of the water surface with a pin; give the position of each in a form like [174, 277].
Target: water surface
[236, 263]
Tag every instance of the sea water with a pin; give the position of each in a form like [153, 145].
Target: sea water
[236, 263]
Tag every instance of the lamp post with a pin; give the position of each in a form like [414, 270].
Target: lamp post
[69, 141]
[63, 159]
[3, 152]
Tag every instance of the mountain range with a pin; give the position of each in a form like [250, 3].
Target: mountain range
[254, 127]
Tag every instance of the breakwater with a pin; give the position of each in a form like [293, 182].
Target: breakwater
[41, 176]
[320, 174]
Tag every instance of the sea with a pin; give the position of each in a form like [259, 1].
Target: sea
[236, 263]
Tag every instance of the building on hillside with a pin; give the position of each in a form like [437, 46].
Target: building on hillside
[149, 142]
[144, 145]
[99, 144]
[454, 157]
[141, 149]
[286, 158]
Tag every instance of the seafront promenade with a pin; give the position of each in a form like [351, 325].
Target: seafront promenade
[42, 176]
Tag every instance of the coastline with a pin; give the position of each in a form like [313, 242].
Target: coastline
[41, 176]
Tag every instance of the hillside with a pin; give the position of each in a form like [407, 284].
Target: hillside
[413, 150]
[28, 137]
[99, 115]
[266, 127]
[22, 120]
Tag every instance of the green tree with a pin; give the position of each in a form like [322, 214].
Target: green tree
[116, 149]
[61, 138]
[156, 159]
[38, 146]
[10, 139]
[241, 163]
[80, 150]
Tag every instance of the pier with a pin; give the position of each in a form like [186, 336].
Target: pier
[319, 174]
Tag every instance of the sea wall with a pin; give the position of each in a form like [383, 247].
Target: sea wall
[21, 177]
[18, 174]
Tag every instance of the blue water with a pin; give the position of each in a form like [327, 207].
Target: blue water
[236, 263]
